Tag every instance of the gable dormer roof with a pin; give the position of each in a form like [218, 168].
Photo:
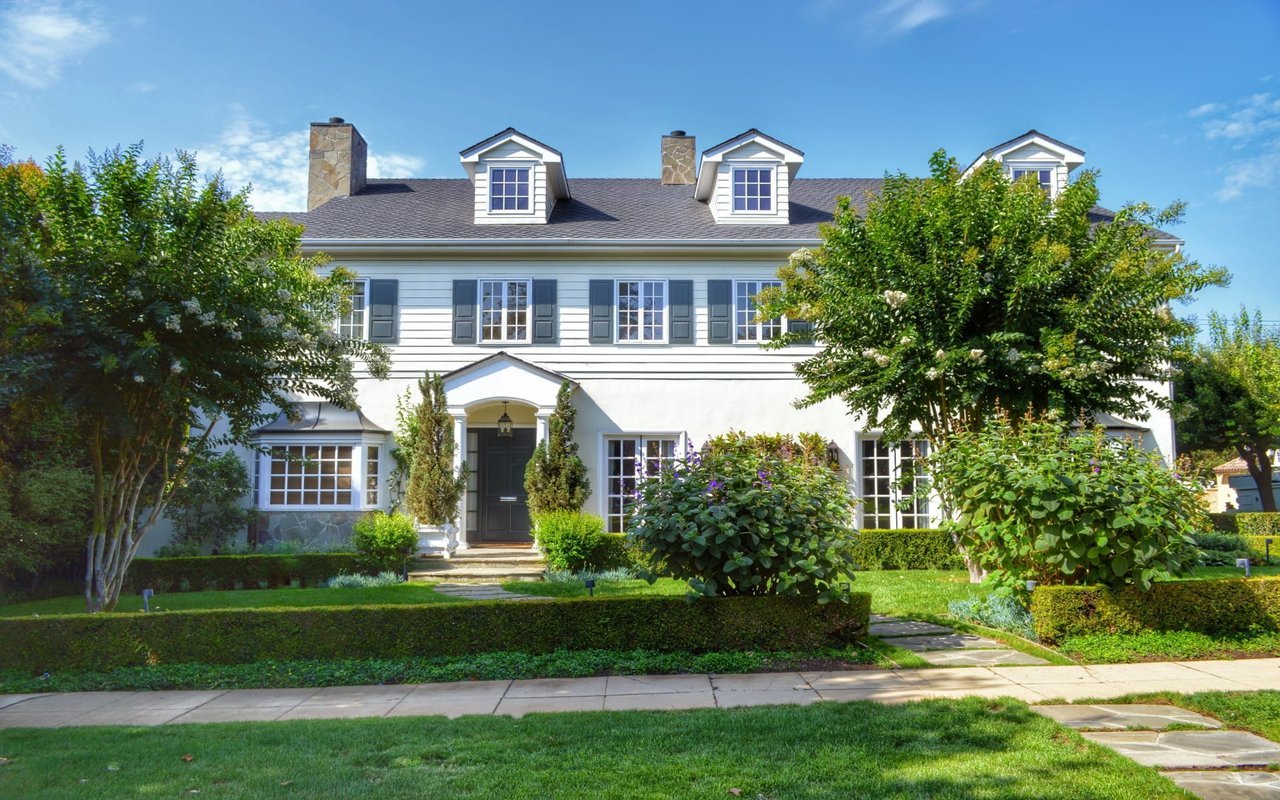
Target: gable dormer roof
[549, 156]
[712, 156]
[1069, 156]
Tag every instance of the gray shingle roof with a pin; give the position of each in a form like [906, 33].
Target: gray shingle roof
[601, 208]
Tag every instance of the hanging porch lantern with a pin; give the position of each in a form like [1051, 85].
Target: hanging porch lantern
[504, 422]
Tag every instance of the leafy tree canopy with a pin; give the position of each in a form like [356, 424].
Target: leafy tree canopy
[954, 296]
[1228, 393]
[151, 305]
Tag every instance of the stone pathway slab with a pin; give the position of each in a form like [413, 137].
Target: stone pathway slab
[979, 658]
[1226, 785]
[906, 627]
[1190, 749]
[1124, 716]
[953, 641]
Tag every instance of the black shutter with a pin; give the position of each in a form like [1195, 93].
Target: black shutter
[681, 310]
[383, 304]
[464, 312]
[720, 312]
[800, 326]
[544, 311]
[601, 317]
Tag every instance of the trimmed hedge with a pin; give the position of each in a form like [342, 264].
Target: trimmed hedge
[916, 548]
[613, 552]
[1225, 522]
[1258, 523]
[194, 573]
[1213, 607]
[241, 636]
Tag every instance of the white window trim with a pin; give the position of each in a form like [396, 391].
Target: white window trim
[528, 328]
[1036, 166]
[489, 166]
[751, 342]
[666, 313]
[773, 167]
[359, 460]
[364, 291]
[681, 442]
[895, 464]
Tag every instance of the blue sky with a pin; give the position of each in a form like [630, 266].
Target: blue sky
[1170, 100]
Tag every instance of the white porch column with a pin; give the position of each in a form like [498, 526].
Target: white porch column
[459, 461]
[543, 416]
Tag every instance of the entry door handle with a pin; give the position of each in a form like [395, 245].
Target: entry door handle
[507, 499]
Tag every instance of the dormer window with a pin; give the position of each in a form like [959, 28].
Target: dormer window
[1042, 176]
[752, 189]
[509, 189]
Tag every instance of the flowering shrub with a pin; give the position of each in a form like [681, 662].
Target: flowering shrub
[755, 515]
[1038, 502]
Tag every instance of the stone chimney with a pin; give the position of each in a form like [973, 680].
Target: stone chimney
[679, 159]
[338, 158]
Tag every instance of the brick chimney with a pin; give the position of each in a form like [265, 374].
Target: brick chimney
[338, 158]
[679, 159]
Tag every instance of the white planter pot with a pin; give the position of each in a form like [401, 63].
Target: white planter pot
[437, 539]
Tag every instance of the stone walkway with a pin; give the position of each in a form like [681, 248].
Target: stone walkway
[516, 698]
[481, 591]
[940, 645]
[1204, 761]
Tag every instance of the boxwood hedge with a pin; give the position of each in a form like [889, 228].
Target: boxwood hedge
[1214, 607]
[1258, 523]
[916, 548]
[195, 573]
[240, 636]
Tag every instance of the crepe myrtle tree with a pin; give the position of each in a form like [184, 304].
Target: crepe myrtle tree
[165, 319]
[957, 295]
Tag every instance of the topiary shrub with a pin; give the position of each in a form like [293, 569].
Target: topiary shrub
[747, 519]
[1037, 501]
[385, 540]
[248, 571]
[568, 540]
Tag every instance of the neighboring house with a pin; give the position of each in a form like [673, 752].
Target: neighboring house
[1235, 490]
[517, 276]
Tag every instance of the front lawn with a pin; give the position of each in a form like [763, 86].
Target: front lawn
[972, 748]
[1258, 712]
[401, 594]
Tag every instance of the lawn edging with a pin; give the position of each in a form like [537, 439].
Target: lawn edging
[1204, 606]
[239, 636]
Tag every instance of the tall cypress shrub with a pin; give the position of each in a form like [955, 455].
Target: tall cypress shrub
[434, 487]
[556, 479]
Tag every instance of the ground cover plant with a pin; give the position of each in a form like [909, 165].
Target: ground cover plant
[941, 749]
[509, 665]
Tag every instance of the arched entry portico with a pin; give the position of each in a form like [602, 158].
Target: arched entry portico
[494, 508]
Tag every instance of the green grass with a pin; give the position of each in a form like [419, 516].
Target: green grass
[402, 594]
[1258, 712]
[1113, 648]
[971, 748]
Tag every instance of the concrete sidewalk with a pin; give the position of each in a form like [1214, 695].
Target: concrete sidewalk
[639, 692]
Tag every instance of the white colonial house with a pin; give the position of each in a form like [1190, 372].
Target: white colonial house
[516, 276]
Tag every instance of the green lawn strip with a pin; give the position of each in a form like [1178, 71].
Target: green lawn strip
[1117, 648]
[401, 594]
[487, 666]
[1257, 711]
[900, 656]
[941, 749]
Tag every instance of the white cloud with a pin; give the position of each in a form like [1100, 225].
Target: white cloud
[142, 87]
[275, 164]
[903, 16]
[886, 19]
[1250, 127]
[38, 38]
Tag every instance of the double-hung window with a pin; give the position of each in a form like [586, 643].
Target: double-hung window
[748, 326]
[892, 495]
[642, 311]
[752, 189]
[504, 311]
[630, 458]
[509, 188]
[354, 323]
[1044, 177]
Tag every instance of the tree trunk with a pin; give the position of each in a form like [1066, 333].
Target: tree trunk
[1259, 465]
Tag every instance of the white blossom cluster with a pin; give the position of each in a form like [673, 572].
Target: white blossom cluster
[894, 298]
[174, 323]
[801, 258]
[271, 320]
[875, 355]
[977, 354]
[192, 306]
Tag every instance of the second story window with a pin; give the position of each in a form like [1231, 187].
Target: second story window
[354, 323]
[748, 327]
[642, 311]
[504, 311]
[752, 189]
[1042, 176]
[509, 189]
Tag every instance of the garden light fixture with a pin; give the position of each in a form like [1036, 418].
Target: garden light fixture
[504, 422]
[1243, 563]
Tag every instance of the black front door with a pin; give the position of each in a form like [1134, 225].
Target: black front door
[504, 512]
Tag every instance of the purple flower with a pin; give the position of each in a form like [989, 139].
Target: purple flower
[764, 478]
[715, 484]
